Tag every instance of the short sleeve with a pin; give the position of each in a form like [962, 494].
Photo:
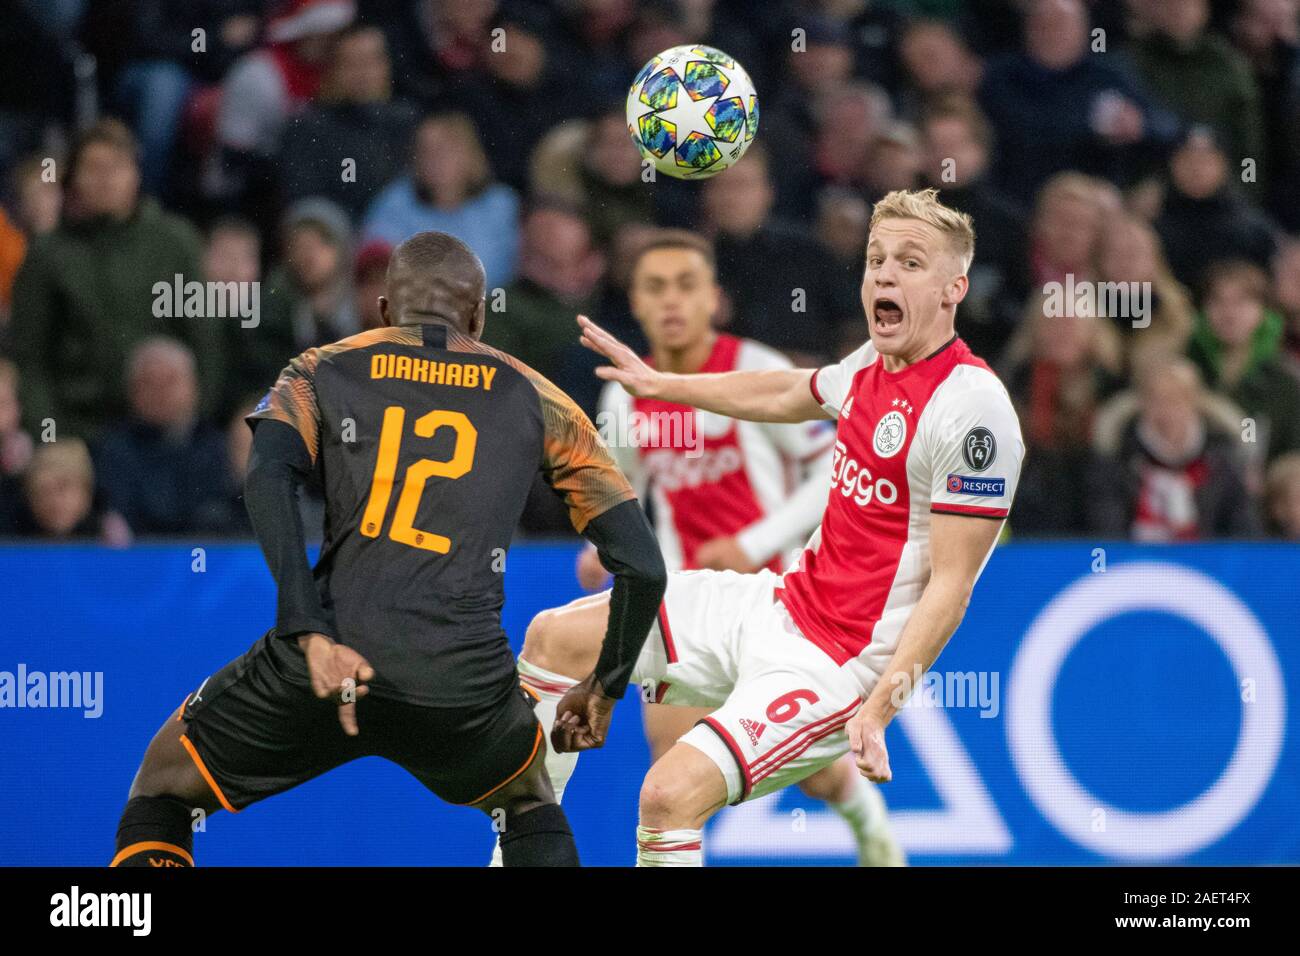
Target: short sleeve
[976, 451]
[831, 384]
[292, 400]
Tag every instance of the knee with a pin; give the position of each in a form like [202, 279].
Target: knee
[555, 641]
[541, 646]
[676, 795]
[662, 797]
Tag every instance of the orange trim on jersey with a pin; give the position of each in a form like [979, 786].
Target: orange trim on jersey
[536, 696]
[207, 776]
[135, 848]
[537, 742]
[180, 714]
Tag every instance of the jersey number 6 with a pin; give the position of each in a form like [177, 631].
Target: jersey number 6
[403, 529]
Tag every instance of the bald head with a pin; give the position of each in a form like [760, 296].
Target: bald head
[434, 277]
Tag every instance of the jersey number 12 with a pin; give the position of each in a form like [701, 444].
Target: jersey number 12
[403, 529]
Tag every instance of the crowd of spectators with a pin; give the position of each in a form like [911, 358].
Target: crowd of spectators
[288, 145]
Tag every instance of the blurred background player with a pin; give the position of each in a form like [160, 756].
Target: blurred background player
[726, 494]
[427, 442]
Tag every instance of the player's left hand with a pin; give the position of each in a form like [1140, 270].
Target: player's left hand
[337, 672]
[724, 554]
[582, 718]
[867, 741]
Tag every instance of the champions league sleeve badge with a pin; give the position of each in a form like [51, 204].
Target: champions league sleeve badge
[978, 448]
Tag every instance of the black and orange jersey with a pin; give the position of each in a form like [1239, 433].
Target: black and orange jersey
[426, 442]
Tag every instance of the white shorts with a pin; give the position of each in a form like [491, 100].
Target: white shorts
[721, 640]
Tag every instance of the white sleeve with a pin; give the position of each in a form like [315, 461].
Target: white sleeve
[799, 514]
[975, 446]
[613, 425]
[831, 384]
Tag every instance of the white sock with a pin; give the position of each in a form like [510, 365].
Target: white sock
[550, 688]
[864, 811]
[669, 847]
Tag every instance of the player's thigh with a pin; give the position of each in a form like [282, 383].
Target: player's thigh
[682, 790]
[254, 729]
[567, 639]
[784, 720]
[486, 756]
[665, 725]
[692, 656]
[526, 791]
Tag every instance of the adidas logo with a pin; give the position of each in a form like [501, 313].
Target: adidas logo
[844, 412]
[753, 728]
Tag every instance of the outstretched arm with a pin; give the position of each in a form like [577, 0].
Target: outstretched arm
[760, 395]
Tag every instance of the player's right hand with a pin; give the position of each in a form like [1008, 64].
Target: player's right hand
[591, 573]
[867, 742]
[337, 672]
[627, 368]
[582, 718]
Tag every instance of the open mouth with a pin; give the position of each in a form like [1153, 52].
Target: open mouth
[887, 315]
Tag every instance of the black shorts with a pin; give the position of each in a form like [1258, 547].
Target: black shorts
[255, 729]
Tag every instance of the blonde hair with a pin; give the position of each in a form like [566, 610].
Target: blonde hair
[923, 204]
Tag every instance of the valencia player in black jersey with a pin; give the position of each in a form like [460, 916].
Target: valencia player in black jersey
[426, 442]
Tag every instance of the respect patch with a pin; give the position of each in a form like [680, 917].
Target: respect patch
[986, 487]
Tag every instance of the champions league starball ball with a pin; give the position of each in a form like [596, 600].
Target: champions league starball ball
[692, 111]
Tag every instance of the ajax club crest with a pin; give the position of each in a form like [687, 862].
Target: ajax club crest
[891, 432]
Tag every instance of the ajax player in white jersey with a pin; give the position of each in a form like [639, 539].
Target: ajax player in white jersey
[803, 667]
[726, 494]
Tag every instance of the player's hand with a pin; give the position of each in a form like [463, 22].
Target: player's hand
[867, 741]
[582, 718]
[337, 672]
[627, 368]
[724, 554]
[591, 573]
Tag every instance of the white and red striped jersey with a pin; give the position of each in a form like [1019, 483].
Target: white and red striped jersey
[940, 435]
[711, 476]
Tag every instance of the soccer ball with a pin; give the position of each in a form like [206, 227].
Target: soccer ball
[692, 111]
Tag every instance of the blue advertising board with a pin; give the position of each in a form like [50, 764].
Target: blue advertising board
[1124, 704]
